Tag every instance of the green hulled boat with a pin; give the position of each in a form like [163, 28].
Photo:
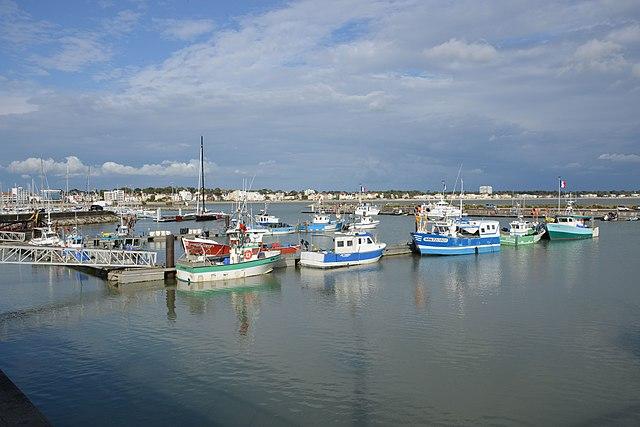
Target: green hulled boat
[522, 232]
[570, 226]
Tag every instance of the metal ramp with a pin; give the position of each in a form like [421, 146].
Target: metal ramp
[12, 236]
[99, 258]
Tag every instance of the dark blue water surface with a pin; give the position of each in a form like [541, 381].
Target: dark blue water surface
[542, 335]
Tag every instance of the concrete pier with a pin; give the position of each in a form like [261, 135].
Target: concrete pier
[15, 408]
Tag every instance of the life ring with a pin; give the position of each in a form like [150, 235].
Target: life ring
[247, 254]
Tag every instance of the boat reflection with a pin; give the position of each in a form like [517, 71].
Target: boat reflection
[243, 294]
[352, 285]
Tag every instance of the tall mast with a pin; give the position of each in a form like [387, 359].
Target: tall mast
[202, 171]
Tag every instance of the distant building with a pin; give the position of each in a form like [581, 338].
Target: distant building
[116, 196]
[185, 195]
[251, 196]
[19, 195]
[52, 195]
[486, 189]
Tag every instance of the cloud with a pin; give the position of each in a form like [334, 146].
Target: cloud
[184, 29]
[18, 29]
[456, 50]
[124, 22]
[615, 157]
[635, 70]
[75, 53]
[626, 35]
[34, 166]
[598, 55]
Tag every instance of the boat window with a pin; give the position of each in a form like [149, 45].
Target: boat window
[369, 240]
[349, 242]
[482, 229]
[359, 241]
[340, 243]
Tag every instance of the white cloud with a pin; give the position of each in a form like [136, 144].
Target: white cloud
[616, 157]
[599, 55]
[184, 29]
[456, 50]
[626, 35]
[75, 53]
[34, 165]
[124, 22]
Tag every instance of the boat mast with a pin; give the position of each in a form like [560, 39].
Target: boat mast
[202, 172]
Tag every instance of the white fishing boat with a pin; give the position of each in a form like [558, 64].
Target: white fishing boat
[363, 223]
[366, 209]
[47, 237]
[352, 248]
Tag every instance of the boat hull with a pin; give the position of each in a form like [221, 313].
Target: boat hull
[195, 247]
[528, 239]
[210, 273]
[437, 244]
[330, 259]
[567, 232]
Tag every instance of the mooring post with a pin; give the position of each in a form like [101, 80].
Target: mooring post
[170, 251]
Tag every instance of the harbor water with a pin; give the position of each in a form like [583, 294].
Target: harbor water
[542, 335]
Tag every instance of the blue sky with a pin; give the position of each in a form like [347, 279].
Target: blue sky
[322, 94]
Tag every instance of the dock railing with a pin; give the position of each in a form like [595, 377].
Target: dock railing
[99, 258]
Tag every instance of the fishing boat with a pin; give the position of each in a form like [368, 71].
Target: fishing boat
[74, 240]
[363, 223]
[320, 222]
[241, 262]
[278, 229]
[570, 225]
[455, 237]
[351, 248]
[440, 210]
[47, 237]
[204, 246]
[263, 218]
[366, 209]
[522, 232]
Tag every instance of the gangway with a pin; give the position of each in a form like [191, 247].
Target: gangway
[12, 236]
[99, 258]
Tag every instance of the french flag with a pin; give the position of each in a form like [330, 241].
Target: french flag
[563, 184]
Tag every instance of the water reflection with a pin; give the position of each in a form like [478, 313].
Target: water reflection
[243, 295]
[353, 285]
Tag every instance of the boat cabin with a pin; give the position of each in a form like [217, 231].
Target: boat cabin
[574, 220]
[349, 243]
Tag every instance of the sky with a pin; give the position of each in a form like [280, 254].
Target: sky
[321, 94]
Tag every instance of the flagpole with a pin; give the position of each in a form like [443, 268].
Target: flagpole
[559, 184]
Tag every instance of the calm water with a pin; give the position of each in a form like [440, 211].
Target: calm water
[541, 335]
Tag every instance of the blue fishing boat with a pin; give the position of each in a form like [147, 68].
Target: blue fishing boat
[321, 222]
[353, 248]
[456, 236]
[278, 228]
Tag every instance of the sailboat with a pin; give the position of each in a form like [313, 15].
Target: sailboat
[48, 236]
[201, 211]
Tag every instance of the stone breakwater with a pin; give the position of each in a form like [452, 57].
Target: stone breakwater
[28, 220]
